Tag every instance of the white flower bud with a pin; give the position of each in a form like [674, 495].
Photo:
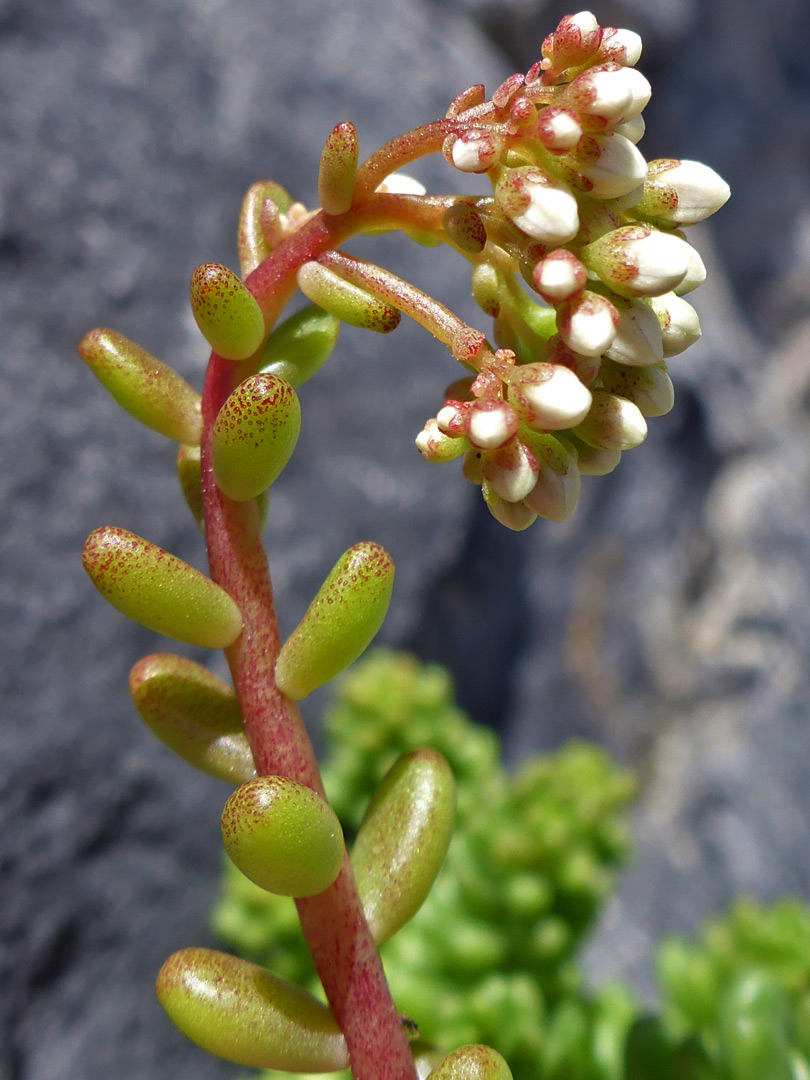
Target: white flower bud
[559, 275]
[614, 423]
[593, 460]
[549, 397]
[542, 207]
[556, 493]
[638, 341]
[558, 129]
[609, 95]
[490, 424]
[511, 471]
[575, 40]
[680, 326]
[609, 166]
[638, 261]
[620, 47]
[695, 273]
[435, 446]
[587, 323]
[399, 183]
[452, 418]
[515, 516]
[650, 388]
[682, 192]
[632, 129]
[474, 152]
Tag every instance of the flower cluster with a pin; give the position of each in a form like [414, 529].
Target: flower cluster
[594, 230]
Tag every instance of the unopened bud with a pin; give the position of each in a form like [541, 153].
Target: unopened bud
[638, 261]
[435, 446]
[650, 388]
[452, 417]
[474, 151]
[620, 47]
[680, 325]
[491, 423]
[464, 227]
[606, 166]
[556, 493]
[399, 183]
[559, 275]
[593, 460]
[160, 591]
[614, 423]
[606, 96]
[632, 129]
[338, 169]
[228, 316]
[638, 339]
[558, 129]
[682, 192]
[515, 516]
[511, 471]
[574, 42]
[345, 301]
[254, 436]
[487, 285]
[340, 623]
[587, 323]
[695, 273]
[148, 389]
[542, 207]
[548, 397]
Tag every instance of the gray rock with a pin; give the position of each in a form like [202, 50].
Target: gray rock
[668, 620]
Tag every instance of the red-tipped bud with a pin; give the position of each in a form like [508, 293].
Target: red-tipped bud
[473, 151]
[559, 275]
[548, 397]
[606, 96]
[436, 446]
[490, 424]
[614, 423]
[587, 323]
[558, 129]
[575, 41]
[620, 47]
[511, 471]
[539, 205]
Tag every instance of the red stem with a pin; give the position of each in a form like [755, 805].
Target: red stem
[335, 928]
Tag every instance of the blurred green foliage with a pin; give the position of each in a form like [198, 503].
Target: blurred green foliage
[491, 956]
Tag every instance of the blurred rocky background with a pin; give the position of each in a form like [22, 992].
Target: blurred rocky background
[670, 619]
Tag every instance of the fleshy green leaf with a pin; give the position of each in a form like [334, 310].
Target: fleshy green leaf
[160, 591]
[194, 713]
[254, 436]
[245, 1014]
[345, 301]
[340, 623]
[472, 1063]
[403, 840]
[147, 388]
[228, 316]
[338, 169]
[300, 345]
[189, 470]
[283, 836]
[252, 240]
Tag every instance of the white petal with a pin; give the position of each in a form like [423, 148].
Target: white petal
[552, 215]
[638, 341]
[557, 403]
[618, 170]
[401, 184]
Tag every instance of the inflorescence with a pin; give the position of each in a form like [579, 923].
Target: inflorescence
[595, 231]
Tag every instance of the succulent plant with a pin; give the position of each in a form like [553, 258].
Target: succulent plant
[575, 366]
